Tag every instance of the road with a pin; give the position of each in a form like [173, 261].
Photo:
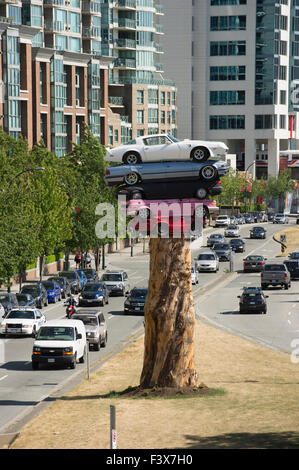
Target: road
[21, 388]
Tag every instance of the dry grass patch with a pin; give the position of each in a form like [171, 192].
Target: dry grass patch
[292, 240]
[259, 409]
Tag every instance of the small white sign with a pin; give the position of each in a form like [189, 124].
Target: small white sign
[114, 439]
[283, 238]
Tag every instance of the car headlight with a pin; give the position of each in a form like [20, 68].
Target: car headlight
[81, 297]
[67, 351]
[92, 334]
[3, 325]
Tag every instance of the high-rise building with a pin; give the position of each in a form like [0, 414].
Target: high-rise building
[235, 63]
[66, 63]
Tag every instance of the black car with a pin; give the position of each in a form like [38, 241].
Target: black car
[293, 268]
[270, 216]
[173, 189]
[254, 263]
[91, 274]
[294, 256]
[38, 292]
[8, 300]
[74, 280]
[64, 285]
[223, 251]
[237, 245]
[135, 301]
[26, 300]
[252, 301]
[258, 232]
[94, 293]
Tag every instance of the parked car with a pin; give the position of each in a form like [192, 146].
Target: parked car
[37, 291]
[94, 293]
[262, 217]
[64, 285]
[258, 232]
[135, 302]
[293, 268]
[215, 238]
[74, 280]
[157, 147]
[222, 221]
[237, 245]
[8, 301]
[53, 291]
[207, 261]
[59, 342]
[270, 216]
[91, 274]
[232, 231]
[26, 300]
[275, 275]
[240, 219]
[294, 255]
[165, 171]
[22, 321]
[223, 251]
[249, 219]
[117, 282]
[253, 301]
[194, 276]
[280, 219]
[171, 190]
[254, 263]
[2, 311]
[95, 326]
[83, 277]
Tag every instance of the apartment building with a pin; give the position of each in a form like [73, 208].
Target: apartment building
[236, 63]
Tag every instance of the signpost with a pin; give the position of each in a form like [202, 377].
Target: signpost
[113, 434]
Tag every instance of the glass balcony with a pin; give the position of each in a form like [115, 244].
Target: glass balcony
[126, 23]
[54, 2]
[54, 26]
[91, 32]
[125, 4]
[127, 63]
[159, 29]
[126, 43]
[116, 100]
[92, 7]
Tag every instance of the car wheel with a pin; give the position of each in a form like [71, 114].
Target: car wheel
[131, 158]
[144, 213]
[104, 343]
[97, 346]
[74, 363]
[208, 172]
[201, 193]
[131, 178]
[200, 154]
[286, 286]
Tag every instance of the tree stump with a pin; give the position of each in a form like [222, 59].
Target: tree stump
[169, 317]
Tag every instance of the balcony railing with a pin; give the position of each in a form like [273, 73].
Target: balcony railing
[92, 7]
[159, 28]
[125, 4]
[126, 23]
[116, 100]
[91, 32]
[55, 26]
[130, 63]
[140, 81]
[129, 43]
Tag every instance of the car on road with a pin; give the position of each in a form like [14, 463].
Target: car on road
[91, 274]
[38, 292]
[194, 276]
[22, 321]
[171, 190]
[26, 300]
[254, 263]
[94, 293]
[232, 231]
[64, 285]
[294, 255]
[240, 219]
[293, 268]
[249, 219]
[222, 221]
[275, 274]
[74, 280]
[157, 147]
[253, 301]
[95, 326]
[237, 245]
[215, 238]
[207, 261]
[2, 311]
[59, 343]
[53, 291]
[8, 300]
[116, 281]
[223, 251]
[280, 219]
[135, 302]
[165, 171]
[257, 232]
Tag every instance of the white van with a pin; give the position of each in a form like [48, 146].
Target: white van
[60, 342]
[222, 221]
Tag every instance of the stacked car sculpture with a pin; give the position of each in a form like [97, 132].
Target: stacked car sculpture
[160, 168]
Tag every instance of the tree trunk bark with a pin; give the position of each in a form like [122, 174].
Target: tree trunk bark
[169, 317]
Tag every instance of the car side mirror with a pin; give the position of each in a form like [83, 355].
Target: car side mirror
[79, 336]
[267, 296]
[239, 296]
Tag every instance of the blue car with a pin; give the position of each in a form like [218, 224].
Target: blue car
[83, 277]
[53, 291]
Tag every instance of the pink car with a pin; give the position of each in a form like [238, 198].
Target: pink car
[187, 207]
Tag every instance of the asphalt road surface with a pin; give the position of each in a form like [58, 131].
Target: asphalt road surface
[21, 388]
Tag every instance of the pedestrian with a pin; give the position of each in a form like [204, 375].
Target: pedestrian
[88, 260]
[78, 259]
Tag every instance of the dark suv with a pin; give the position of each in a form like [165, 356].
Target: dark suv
[38, 292]
[8, 300]
[74, 280]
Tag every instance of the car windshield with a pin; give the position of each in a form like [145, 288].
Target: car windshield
[216, 236]
[111, 277]
[22, 298]
[93, 287]
[69, 275]
[221, 246]
[252, 296]
[204, 257]
[30, 290]
[224, 217]
[55, 333]
[87, 320]
[174, 139]
[275, 267]
[21, 314]
[48, 285]
[89, 273]
[232, 227]
[4, 298]
[140, 293]
[258, 229]
[236, 242]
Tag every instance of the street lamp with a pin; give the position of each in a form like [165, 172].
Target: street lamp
[28, 170]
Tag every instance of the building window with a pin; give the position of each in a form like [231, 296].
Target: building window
[140, 116]
[228, 23]
[116, 135]
[265, 121]
[152, 116]
[227, 122]
[110, 135]
[162, 116]
[282, 121]
[140, 96]
[162, 95]
[283, 97]
[152, 96]
[228, 48]
[140, 132]
[228, 2]
[227, 97]
[228, 73]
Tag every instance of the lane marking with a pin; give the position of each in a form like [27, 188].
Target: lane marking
[4, 377]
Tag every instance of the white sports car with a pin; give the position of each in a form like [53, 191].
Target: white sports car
[157, 147]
